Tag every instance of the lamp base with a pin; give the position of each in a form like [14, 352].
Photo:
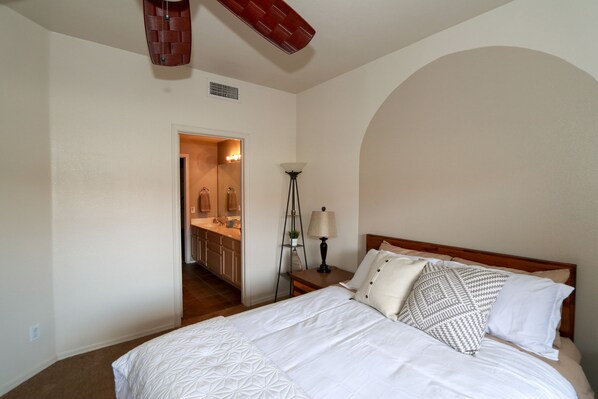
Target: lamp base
[323, 268]
[323, 249]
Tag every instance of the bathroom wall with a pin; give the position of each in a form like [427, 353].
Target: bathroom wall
[203, 172]
[226, 148]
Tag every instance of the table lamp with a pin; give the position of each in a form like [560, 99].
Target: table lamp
[322, 225]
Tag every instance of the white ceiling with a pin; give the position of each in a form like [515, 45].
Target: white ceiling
[350, 33]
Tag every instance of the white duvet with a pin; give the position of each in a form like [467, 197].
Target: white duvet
[209, 360]
[332, 347]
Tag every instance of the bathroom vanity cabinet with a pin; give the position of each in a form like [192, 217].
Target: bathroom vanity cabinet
[218, 253]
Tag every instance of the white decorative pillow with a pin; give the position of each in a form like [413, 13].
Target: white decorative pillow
[363, 269]
[453, 304]
[527, 313]
[388, 283]
[361, 274]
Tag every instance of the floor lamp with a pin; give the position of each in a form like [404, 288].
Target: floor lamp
[292, 212]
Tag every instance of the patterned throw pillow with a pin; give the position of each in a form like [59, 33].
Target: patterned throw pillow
[453, 304]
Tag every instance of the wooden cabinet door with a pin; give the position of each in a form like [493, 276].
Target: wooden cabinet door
[214, 260]
[237, 269]
[194, 254]
[228, 263]
[202, 248]
[214, 252]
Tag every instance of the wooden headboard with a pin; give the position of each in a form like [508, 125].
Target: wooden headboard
[493, 259]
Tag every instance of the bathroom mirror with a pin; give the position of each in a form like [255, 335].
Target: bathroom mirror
[229, 190]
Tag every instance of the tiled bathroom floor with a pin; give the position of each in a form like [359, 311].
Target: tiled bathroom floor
[204, 293]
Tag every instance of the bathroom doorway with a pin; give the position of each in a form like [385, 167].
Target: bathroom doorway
[211, 196]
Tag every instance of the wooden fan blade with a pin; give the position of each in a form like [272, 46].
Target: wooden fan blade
[168, 31]
[275, 20]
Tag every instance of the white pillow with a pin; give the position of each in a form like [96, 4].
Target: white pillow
[527, 312]
[362, 270]
[364, 267]
[389, 282]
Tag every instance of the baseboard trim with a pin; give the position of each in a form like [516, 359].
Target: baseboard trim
[262, 299]
[24, 377]
[110, 342]
[63, 355]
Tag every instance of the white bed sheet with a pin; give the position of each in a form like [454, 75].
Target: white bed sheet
[334, 347]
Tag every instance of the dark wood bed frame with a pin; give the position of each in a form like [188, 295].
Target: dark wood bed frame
[493, 259]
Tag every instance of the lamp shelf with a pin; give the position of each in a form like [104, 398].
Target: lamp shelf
[292, 216]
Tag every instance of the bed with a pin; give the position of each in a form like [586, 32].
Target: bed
[328, 344]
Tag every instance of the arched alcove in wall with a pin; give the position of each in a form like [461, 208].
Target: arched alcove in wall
[488, 145]
[494, 148]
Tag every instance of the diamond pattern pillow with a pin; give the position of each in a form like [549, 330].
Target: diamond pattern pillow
[453, 304]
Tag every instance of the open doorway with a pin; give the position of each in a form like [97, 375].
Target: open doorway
[210, 170]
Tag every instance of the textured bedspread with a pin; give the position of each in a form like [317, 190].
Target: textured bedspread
[337, 348]
[330, 347]
[212, 359]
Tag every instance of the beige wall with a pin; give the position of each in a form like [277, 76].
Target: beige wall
[112, 117]
[203, 172]
[25, 201]
[91, 213]
[491, 149]
[334, 116]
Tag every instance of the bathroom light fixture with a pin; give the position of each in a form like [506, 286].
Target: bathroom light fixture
[233, 158]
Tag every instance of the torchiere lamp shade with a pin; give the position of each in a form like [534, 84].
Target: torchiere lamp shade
[293, 167]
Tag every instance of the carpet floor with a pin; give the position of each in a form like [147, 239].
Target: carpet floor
[89, 375]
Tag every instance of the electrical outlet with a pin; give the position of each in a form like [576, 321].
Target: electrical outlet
[192, 209]
[34, 333]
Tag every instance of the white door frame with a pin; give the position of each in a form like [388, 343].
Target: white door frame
[187, 211]
[176, 131]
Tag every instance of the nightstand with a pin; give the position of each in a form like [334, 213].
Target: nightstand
[310, 280]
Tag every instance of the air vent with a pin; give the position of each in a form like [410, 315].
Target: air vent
[223, 91]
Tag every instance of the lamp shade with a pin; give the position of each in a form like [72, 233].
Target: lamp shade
[293, 166]
[322, 224]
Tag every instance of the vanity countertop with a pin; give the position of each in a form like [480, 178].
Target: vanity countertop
[233, 233]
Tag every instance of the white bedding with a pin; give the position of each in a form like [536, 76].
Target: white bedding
[334, 347]
[209, 360]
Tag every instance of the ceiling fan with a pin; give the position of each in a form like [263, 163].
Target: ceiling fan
[168, 27]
